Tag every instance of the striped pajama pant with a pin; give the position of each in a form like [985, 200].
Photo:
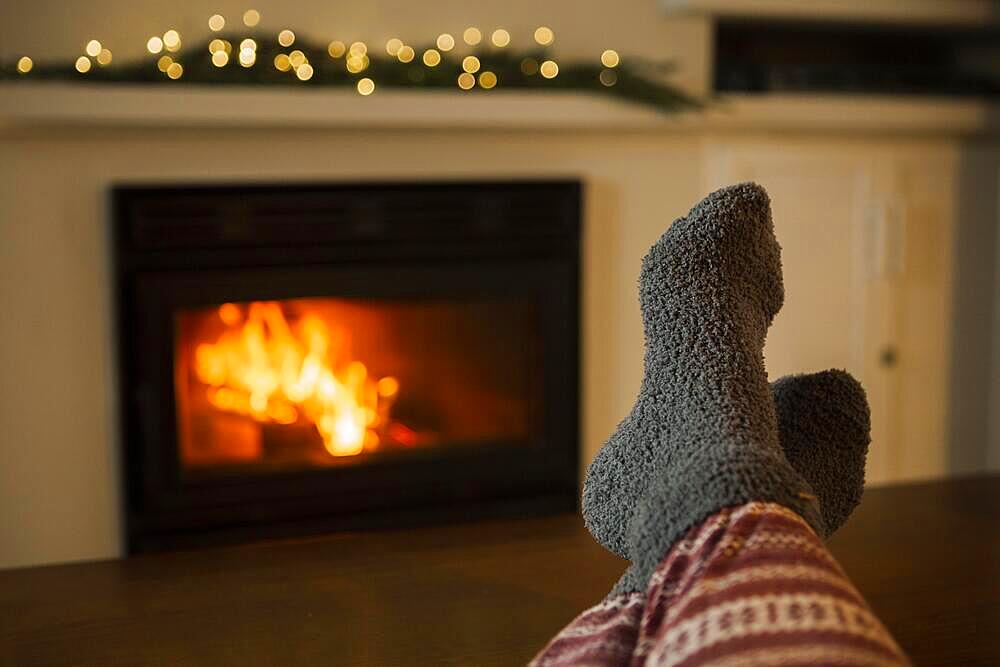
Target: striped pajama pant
[752, 585]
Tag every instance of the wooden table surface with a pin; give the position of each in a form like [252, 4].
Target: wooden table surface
[927, 557]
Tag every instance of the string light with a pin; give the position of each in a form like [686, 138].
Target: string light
[393, 46]
[432, 58]
[445, 42]
[251, 18]
[581, 76]
[487, 79]
[544, 35]
[472, 36]
[357, 63]
[336, 49]
[172, 40]
[470, 64]
[466, 81]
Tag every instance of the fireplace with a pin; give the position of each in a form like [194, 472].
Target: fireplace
[303, 359]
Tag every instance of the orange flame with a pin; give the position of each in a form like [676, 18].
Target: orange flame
[262, 368]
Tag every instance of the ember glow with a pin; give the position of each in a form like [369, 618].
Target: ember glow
[273, 372]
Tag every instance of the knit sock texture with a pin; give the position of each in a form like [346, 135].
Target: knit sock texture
[709, 289]
[823, 429]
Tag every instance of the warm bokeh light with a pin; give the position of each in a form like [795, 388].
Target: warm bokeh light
[286, 37]
[248, 44]
[24, 64]
[610, 58]
[251, 18]
[432, 58]
[282, 62]
[445, 42]
[172, 40]
[163, 62]
[248, 57]
[357, 63]
[466, 81]
[336, 49]
[549, 69]
[366, 86]
[304, 72]
[393, 46]
[154, 45]
[358, 49]
[544, 35]
[83, 64]
[296, 58]
[104, 57]
[216, 22]
[93, 48]
[471, 64]
[500, 37]
[175, 71]
[487, 80]
[472, 36]
[220, 58]
[406, 54]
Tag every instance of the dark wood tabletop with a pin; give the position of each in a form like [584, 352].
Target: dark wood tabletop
[927, 557]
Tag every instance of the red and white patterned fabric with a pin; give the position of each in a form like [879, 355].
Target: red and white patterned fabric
[752, 585]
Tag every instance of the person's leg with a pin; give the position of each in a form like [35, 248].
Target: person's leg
[709, 289]
[753, 585]
[726, 532]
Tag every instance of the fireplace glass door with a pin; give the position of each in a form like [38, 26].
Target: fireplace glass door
[311, 358]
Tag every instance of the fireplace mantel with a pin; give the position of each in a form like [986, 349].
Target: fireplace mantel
[54, 105]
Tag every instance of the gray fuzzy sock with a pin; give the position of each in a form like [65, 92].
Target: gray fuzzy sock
[824, 430]
[824, 426]
[709, 289]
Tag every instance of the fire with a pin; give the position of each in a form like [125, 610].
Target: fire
[265, 369]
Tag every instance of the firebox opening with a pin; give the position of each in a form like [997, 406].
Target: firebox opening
[266, 386]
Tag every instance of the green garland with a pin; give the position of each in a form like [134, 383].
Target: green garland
[635, 80]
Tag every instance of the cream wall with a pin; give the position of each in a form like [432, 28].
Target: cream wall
[59, 486]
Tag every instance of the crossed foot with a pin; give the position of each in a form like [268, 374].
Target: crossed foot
[707, 431]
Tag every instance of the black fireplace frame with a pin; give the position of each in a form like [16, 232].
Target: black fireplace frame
[186, 245]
